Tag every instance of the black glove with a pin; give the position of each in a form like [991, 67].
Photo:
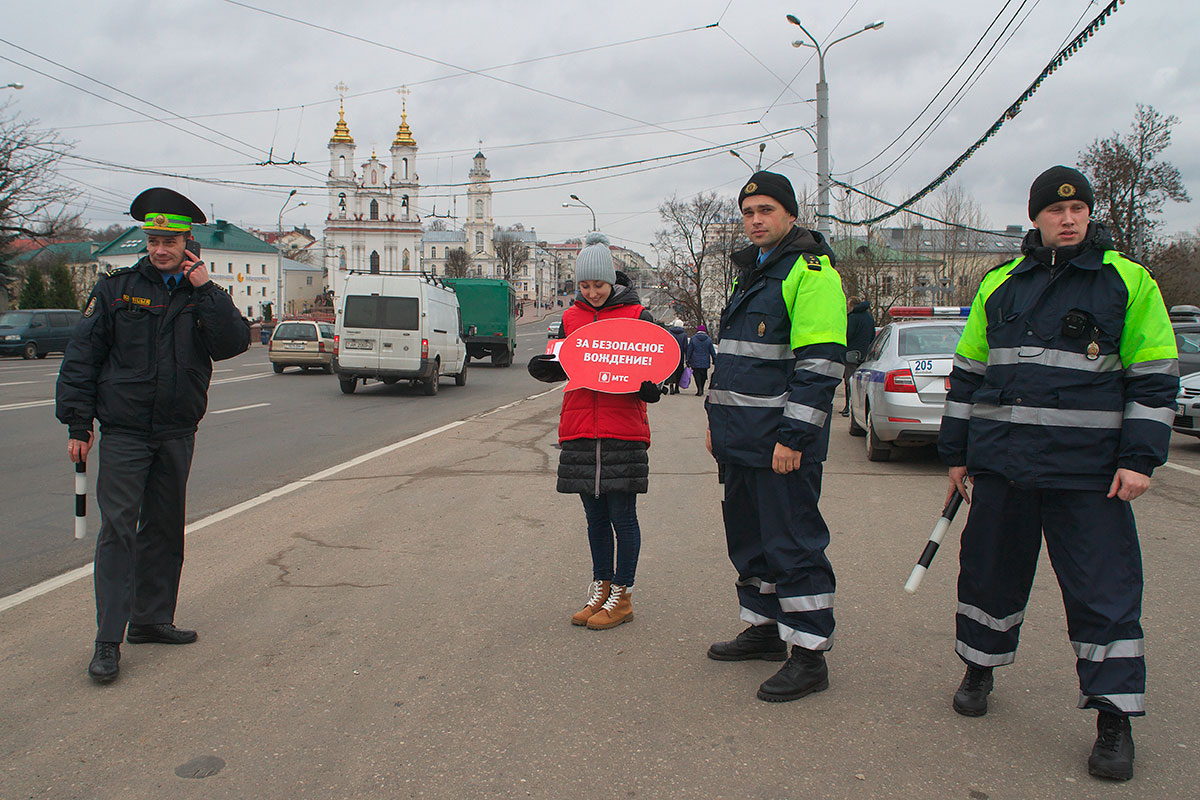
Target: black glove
[545, 369]
[649, 392]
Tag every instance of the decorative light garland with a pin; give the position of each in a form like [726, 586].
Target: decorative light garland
[1009, 113]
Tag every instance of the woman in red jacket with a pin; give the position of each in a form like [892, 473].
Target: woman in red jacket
[603, 441]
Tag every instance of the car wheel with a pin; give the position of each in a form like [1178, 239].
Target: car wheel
[461, 378]
[855, 428]
[328, 369]
[877, 450]
[348, 385]
[277, 367]
[431, 383]
[30, 351]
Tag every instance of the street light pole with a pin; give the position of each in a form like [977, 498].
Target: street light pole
[823, 116]
[278, 310]
[575, 197]
[13, 86]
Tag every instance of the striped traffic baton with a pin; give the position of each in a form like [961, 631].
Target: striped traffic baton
[935, 539]
[80, 499]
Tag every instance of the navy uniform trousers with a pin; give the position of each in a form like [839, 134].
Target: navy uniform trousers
[777, 539]
[141, 490]
[1093, 547]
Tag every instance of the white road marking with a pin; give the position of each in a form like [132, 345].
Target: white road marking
[239, 408]
[243, 378]
[20, 383]
[228, 369]
[1182, 468]
[57, 582]
[31, 404]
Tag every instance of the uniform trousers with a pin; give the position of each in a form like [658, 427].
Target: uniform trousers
[141, 491]
[1092, 543]
[777, 539]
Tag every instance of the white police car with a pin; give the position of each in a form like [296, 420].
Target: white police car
[898, 391]
[1187, 415]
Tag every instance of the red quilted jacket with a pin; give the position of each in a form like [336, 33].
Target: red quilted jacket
[587, 414]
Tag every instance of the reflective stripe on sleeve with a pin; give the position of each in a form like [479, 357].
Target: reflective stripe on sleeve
[1052, 417]
[958, 410]
[822, 366]
[982, 659]
[813, 416]
[1165, 415]
[1161, 366]
[1129, 703]
[764, 350]
[1048, 357]
[809, 641]
[969, 365]
[1121, 648]
[810, 602]
[995, 623]
[725, 397]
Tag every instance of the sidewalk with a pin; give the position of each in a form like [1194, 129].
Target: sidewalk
[401, 629]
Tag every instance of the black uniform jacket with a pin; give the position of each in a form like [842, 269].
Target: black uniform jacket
[141, 358]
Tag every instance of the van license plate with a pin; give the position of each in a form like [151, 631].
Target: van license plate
[359, 344]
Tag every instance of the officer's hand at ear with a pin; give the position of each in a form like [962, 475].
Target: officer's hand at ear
[958, 483]
[785, 459]
[194, 269]
[1128, 485]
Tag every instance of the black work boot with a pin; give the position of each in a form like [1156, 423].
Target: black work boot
[971, 698]
[803, 673]
[1112, 754]
[105, 662]
[757, 641]
[159, 633]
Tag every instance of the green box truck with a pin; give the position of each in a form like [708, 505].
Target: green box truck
[489, 317]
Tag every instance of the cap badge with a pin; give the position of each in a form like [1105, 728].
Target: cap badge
[751, 188]
[762, 328]
[1066, 190]
[160, 221]
[1093, 351]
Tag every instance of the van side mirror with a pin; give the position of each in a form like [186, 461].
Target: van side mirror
[471, 329]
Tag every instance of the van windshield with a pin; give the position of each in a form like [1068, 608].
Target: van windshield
[392, 313]
[15, 319]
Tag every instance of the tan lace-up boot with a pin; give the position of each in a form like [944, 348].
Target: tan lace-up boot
[616, 609]
[597, 594]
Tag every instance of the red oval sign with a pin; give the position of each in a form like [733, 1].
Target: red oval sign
[616, 355]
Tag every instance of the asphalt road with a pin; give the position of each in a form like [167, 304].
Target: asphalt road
[262, 431]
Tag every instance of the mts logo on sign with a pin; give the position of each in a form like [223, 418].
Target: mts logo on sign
[610, 377]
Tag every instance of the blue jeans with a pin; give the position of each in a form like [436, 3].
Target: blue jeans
[613, 511]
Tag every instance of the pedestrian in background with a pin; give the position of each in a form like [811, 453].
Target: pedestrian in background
[676, 329]
[140, 362]
[603, 441]
[782, 346]
[700, 355]
[860, 331]
[1060, 407]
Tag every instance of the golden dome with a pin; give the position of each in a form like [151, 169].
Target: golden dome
[404, 137]
[341, 131]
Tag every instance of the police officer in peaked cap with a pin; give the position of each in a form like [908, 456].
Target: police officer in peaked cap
[140, 362]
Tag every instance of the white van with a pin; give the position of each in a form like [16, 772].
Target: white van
[398, 326]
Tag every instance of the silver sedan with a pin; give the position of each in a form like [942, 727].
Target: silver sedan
[898, 392]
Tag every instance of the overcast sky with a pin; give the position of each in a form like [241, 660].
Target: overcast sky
[590, 85]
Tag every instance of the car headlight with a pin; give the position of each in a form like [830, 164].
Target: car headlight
[13, 337]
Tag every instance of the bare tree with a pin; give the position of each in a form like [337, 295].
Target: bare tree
[458, 262]
[958, 276]
[869, 268]
[436, 225]
[1177, 270]
[694, 251]
[512, 254]
[32, 196]
[1130, 182]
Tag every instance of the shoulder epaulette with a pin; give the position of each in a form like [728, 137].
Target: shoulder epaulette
[1133, 260]
[112, 273]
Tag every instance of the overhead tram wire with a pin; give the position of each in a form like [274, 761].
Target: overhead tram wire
[1010, 113]
[937, 94]
[463, 70]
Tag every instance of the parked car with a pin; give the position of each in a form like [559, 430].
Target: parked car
[898, 392]
[399, 326]
[1187, 342]
[1185, 314]
[302, 343]
[1187, 416]
[555, 330]
[36, 333]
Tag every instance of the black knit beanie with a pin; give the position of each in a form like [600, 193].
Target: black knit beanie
[1056, 184]
[773, 185]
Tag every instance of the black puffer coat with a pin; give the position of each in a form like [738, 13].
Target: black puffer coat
[624, 467]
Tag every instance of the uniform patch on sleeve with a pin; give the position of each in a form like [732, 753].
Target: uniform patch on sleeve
[91, 307]
[813, 262]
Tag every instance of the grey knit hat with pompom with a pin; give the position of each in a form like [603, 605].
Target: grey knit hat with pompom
[595, 262]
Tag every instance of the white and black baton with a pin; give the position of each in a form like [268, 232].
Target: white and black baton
[935, 539]
[80, 499]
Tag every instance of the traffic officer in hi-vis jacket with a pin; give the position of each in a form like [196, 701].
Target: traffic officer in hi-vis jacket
[140, 362]
[1060, 407]
[780, 355]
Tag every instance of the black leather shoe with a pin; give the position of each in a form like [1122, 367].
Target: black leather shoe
[159, 633]
[1112, 754]
[106, 662]
[971, 698]
[757, 641]
[845, 412]
[802, 674]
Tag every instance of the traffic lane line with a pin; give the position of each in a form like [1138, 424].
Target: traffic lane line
[38, 403]
[239, 408]
[1182, 468]
[21, 383]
